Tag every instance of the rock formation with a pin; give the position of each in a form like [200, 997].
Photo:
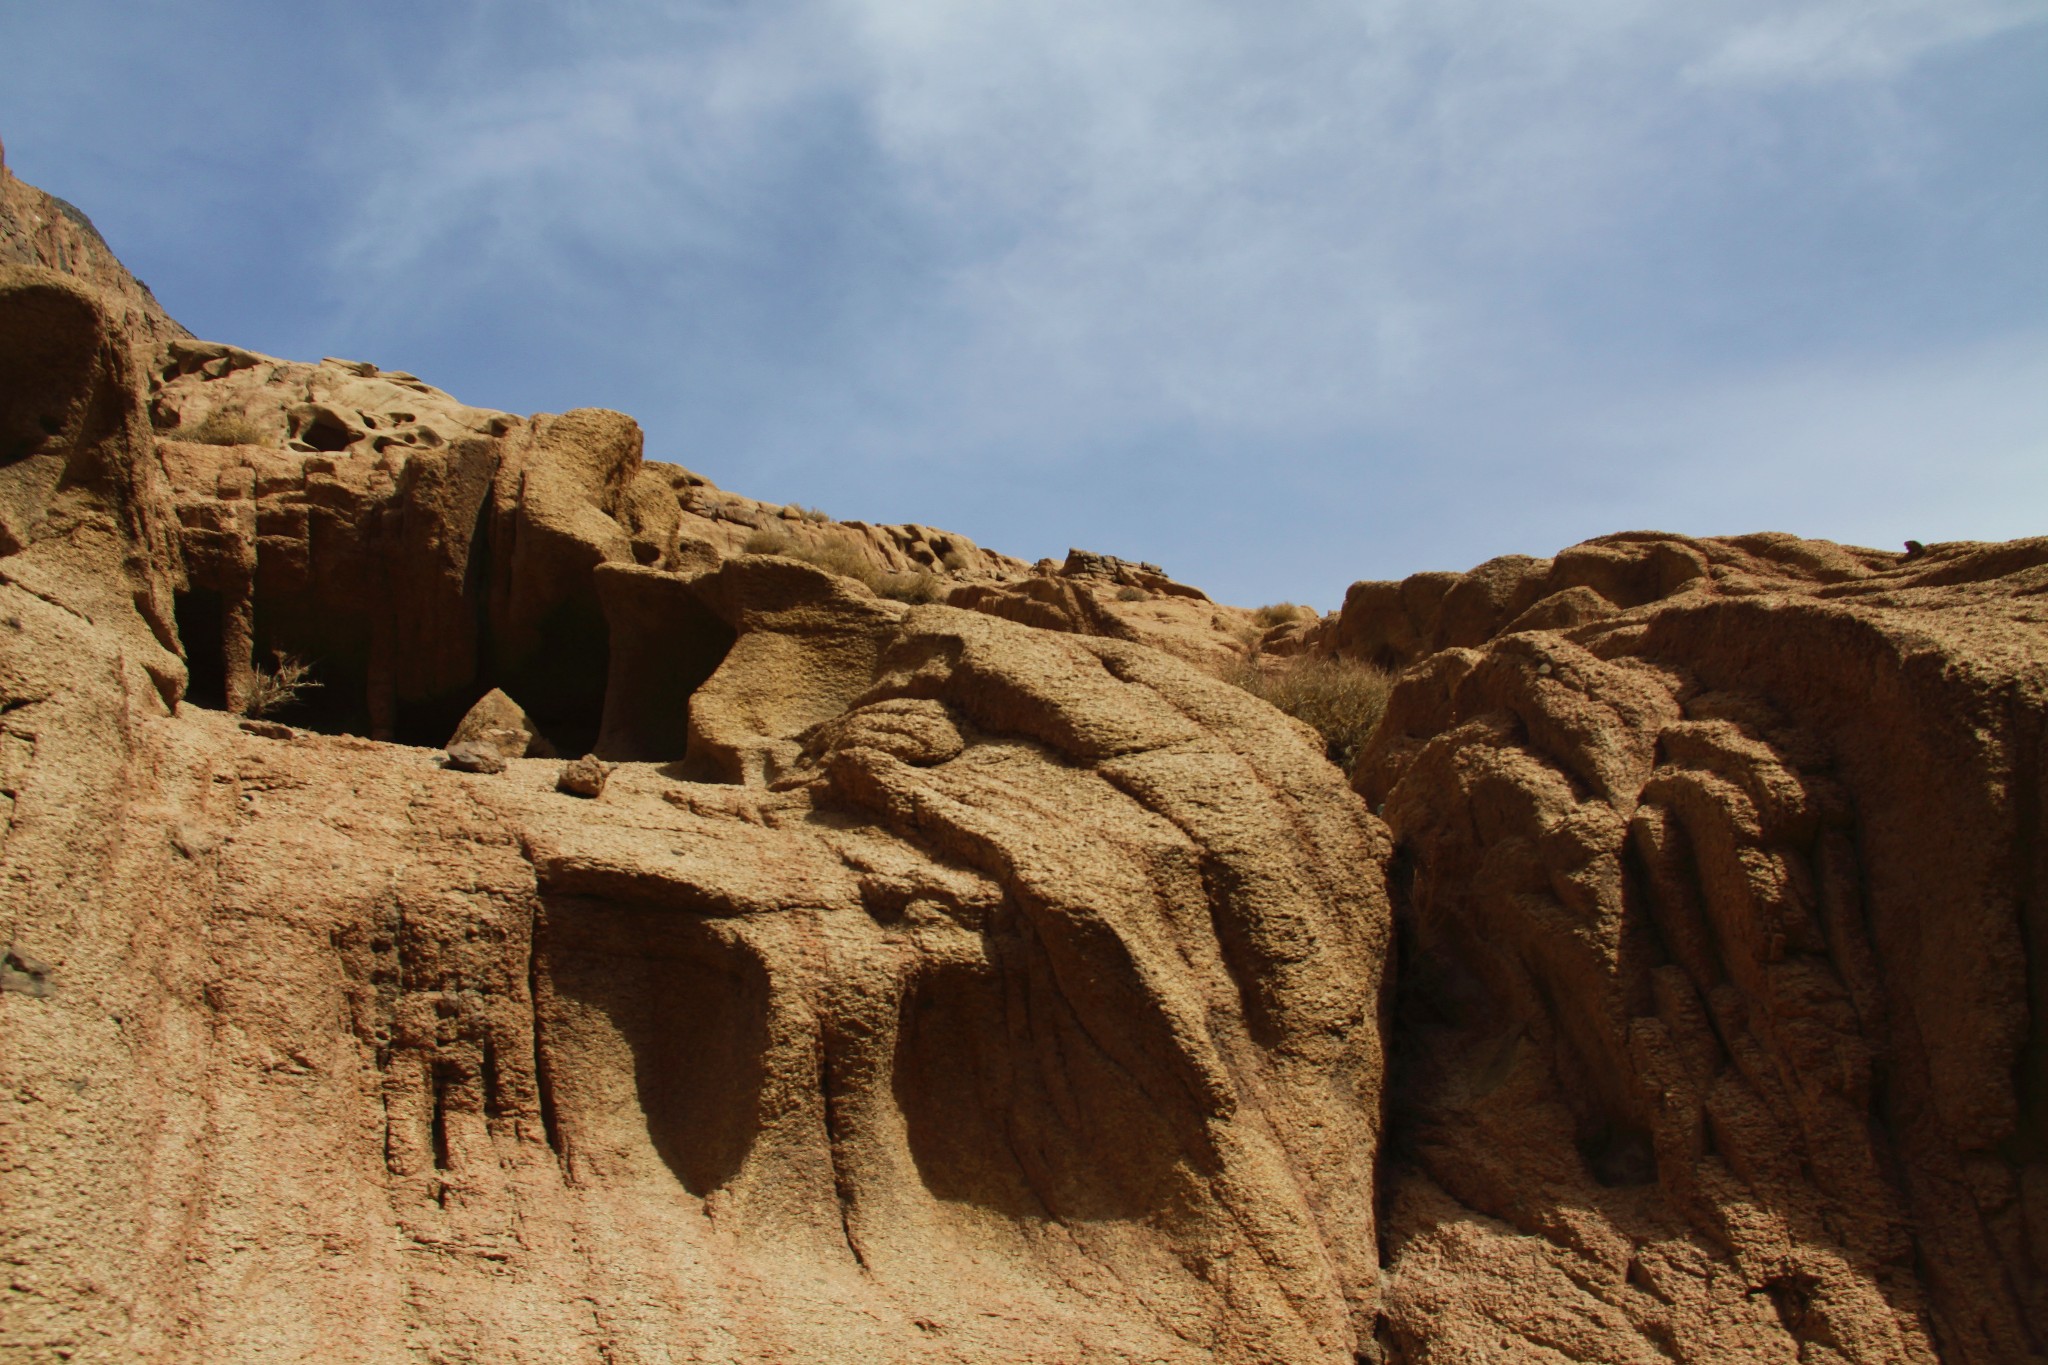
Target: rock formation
[660, 926]
[37, 228]
[1721, 1029]
[921, 986]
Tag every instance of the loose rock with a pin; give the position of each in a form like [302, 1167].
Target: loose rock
[583, 776]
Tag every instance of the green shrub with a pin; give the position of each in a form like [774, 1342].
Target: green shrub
[1341, 698]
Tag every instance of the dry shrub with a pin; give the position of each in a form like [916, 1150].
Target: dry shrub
[916, 587]
[1130, 594]
[768, 540]
[842, 558]
[953, 561]
[273, 689]
[222, 427]
[811, 513]
[1342, 698]
[1280, 613]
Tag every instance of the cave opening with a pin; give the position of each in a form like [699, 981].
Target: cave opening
[619, 689]
[657, 665]
[561, 682]
[198, 614]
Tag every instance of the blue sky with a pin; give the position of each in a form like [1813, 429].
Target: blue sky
[1276, 296]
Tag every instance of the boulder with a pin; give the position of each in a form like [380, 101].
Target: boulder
[498, 722]
[476, 756]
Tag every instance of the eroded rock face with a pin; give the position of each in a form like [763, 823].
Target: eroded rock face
[1394, 624]
[39, 229]
[1092, 594]
[924, 983]
[426, 552]
[994, 995]
[1717, 1036]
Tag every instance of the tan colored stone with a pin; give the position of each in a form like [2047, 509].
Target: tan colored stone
[500, 723]
[975, 982]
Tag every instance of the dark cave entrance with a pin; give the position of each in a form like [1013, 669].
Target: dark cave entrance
[590, 685]
[198, 614]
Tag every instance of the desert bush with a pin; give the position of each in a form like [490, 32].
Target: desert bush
[953, 561]
[222, 427]
[1341, 698]
[1280, 613]
[273, 689]
[767, 540]
[1130, 594]
[811, 513]
[909, 587]
[843, 558]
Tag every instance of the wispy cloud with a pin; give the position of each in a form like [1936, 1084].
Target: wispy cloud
[1855, 39]
[1527, 261]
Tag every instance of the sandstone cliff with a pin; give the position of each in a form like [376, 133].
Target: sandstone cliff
[936, 961]
[1723, 912]
[922, 986]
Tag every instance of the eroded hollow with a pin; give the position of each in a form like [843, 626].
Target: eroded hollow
[990, 1122]
[322, 429]
[47, 350]
[656, 1028]
[664, 645]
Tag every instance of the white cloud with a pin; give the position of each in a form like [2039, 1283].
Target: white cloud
[1856, 39]
[1274, 224]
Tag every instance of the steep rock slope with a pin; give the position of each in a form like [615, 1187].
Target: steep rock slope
[1722, 1030]
[38, 228]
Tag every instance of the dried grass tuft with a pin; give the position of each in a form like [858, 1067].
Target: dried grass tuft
[1280, 613]
[223, 427]
[1341, 698]
[842, 558]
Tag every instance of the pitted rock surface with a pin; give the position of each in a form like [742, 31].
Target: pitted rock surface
[1720, 1030]
[973, 982]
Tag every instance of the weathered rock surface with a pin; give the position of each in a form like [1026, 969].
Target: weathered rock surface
[1092, 594]
[1722, 1031]
[996, 995]
[426, 551]
[40, 229]
[966, 982]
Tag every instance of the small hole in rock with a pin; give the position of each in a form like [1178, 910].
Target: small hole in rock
[1621, 1156]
